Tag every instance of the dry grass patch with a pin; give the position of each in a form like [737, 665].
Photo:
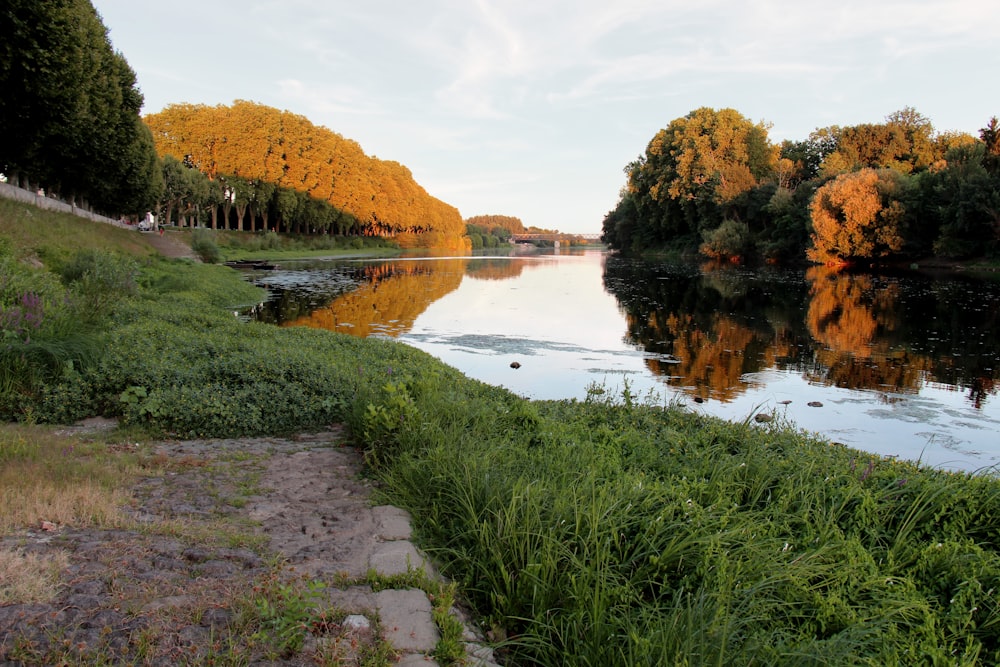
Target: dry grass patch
[45, 476]
[27, 578]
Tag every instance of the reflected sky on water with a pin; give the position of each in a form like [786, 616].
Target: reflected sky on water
[899, 365]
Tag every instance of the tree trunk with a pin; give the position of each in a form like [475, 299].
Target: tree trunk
[241, 210]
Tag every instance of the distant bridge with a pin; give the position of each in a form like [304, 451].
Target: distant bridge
[521, 238]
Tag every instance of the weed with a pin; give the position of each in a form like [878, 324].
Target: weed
[287, 613]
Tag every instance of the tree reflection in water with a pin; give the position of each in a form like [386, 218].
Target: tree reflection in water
[708, 329]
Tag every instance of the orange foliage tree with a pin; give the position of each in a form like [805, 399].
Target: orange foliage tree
[856, 217]
[508, 222]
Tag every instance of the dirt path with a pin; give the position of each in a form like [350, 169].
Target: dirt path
[167, 245]
[227, 524]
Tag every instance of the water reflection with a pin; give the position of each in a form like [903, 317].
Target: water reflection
[714, 329]
[388, 299]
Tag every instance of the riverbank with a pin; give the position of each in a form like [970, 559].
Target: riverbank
[601, 531]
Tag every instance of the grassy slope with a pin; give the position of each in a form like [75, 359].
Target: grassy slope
[48, 235]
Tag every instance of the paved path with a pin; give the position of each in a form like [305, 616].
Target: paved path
[303, 498]
[316, 510]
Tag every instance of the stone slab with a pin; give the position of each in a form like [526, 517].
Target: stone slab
[393, 523]
[406, 620]
[392, 558]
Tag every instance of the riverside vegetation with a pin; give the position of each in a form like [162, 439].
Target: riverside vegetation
[612, 530]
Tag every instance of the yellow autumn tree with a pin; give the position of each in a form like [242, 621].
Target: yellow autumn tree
[856, 217]
[253, 143]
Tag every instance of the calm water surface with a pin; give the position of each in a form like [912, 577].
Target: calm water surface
[896, 364]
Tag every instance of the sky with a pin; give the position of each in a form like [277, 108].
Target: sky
[533, 108]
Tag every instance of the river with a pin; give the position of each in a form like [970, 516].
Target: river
[898, 364]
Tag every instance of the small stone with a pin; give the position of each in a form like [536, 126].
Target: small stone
[814, 404]
[356, 623]
[762, 418]
[515, 364]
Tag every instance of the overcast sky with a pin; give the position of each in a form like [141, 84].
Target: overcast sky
[532, 108]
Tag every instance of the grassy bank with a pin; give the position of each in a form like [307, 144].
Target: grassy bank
[271, 246]
[601, 532]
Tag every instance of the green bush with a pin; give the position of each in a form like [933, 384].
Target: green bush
[45, 333]
[729, 240]
[100, 279]
[203, 244]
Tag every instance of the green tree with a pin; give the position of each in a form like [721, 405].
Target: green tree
[692, 173]
[175, 190]
[991, 138]
[70, 108]
[958, 207]
[284, 204]
[260, 202]
[729, 241]
[922, 150]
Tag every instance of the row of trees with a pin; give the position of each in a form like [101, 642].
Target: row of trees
[492, 231]
[713, 181]
[268, 166]
[69, 112]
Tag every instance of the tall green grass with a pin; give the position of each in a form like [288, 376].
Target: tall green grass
[601, 534]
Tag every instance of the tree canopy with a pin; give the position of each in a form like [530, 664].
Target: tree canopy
[693, 171]
[260, 154]
[70, 108]
[712, 182]
[512, 224]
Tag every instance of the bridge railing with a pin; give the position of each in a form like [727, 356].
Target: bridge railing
[554, 237]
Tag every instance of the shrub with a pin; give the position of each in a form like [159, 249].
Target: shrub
[203, 244]
[44, 334]
[100, 279]
[730, 240]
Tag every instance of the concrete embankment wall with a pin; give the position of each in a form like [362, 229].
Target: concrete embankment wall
[41, 201]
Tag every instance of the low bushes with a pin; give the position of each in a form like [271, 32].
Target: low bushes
[49, 328]
[177, 360]
[272, 244]
[203, 244]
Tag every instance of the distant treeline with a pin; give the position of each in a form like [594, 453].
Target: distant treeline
[712, 182]
[70, 125]
[490, 231]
